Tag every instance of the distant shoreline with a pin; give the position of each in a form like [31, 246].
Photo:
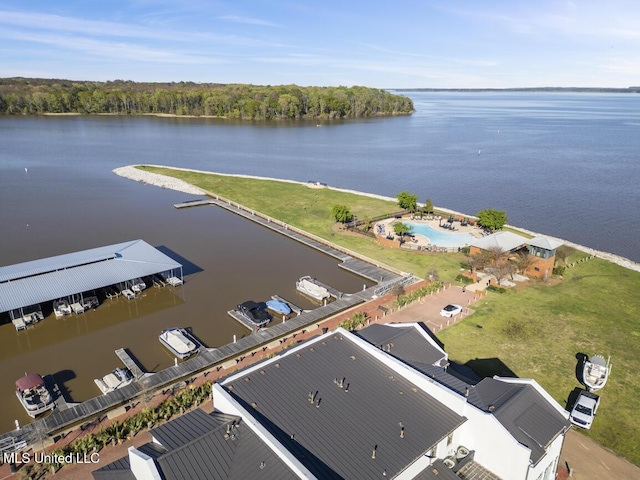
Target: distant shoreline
[133, 173]
[525, 89]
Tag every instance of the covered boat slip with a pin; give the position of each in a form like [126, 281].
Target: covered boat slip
[24, 286]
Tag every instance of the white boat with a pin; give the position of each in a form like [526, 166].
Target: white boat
[34, 395]
[138, 285]
[595, 372]
[61, 307]
[313, 290]
[90, 302]
[129, 295]
[119, 378]
[179, 342]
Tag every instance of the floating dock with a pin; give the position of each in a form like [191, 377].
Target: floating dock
[130, 363]
[243, 320]
[193, 203]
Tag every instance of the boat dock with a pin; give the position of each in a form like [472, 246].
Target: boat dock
[294, 308]
[130, 363]
[350, 260]
[56, 393]
[237, 316]
[192, 203]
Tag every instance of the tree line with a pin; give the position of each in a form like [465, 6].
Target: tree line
[21, 96]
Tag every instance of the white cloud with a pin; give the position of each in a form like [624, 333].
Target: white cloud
[247, 20]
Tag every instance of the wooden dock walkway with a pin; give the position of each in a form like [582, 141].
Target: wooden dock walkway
[193, 203]
[294, 308]
[360, 267]
[130, 363]
[237, 316]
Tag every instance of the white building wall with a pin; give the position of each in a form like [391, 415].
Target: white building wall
[550, 458]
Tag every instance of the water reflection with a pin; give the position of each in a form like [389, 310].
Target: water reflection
[227, 259]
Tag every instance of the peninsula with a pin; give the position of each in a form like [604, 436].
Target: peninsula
[35, 96]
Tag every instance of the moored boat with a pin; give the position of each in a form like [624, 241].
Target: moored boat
[596, 372]
[61, 307]
[118, 378]
[34, 395]
[279, 307]
[254, 312]
[311, 289]
[179, 342]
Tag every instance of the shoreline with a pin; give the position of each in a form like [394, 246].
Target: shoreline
[132, 173]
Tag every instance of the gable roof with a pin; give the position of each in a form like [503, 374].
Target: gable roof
[501, 241]
[207, 447]
[334, 430]
[409, 342]
[528, 416]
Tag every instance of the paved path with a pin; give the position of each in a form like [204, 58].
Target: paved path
[588, 460]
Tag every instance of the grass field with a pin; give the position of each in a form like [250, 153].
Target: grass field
[534, 332]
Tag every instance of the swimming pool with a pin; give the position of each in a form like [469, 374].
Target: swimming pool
[441, 238]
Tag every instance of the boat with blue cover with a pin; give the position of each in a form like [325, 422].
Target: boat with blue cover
[279, 307]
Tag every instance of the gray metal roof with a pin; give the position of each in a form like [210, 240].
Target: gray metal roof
[521, 409]
[38, 281]
[531, 420]
[502, 241]
[545, 242]
[404, 342]
[335, 435]
[196, 445]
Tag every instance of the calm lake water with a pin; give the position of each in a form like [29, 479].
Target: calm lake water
[561, 164]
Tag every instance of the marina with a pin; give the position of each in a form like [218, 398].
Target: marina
[64, 278]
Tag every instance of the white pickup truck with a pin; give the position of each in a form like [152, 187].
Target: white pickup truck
[584, 410]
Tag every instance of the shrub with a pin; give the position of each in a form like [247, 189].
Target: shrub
[493, 288]
[356, 321]
[464, 279]
[559, 270]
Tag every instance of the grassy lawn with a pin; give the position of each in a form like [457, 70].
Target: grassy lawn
[535, 332]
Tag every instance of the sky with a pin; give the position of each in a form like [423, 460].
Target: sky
[382, 44]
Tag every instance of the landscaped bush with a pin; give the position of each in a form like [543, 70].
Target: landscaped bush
[356, 321]
[404, 300]
[464, 279]
[493, 288]
[117, 432]
[559, 270]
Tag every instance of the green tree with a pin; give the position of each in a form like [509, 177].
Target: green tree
[341, 213]
[428, 207]
[408, 201]
[401, 229]
[491, 219]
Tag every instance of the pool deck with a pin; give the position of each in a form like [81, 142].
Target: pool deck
[433, 221]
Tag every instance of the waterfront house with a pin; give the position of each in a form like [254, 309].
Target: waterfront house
[383, 403]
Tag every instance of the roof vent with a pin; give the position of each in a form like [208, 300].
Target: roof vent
[373, 453]
[277, 365]
[492, 408]
[262, 465]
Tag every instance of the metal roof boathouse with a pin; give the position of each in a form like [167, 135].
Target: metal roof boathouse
[30, 283]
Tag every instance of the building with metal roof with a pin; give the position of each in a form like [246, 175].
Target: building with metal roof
[542, 249]
[31, 283]
[339, 407]
[199, 446]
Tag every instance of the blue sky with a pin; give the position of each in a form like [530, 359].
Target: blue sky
[385, 44]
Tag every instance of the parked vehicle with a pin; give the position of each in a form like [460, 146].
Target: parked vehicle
[584, 410]
[451, 310]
